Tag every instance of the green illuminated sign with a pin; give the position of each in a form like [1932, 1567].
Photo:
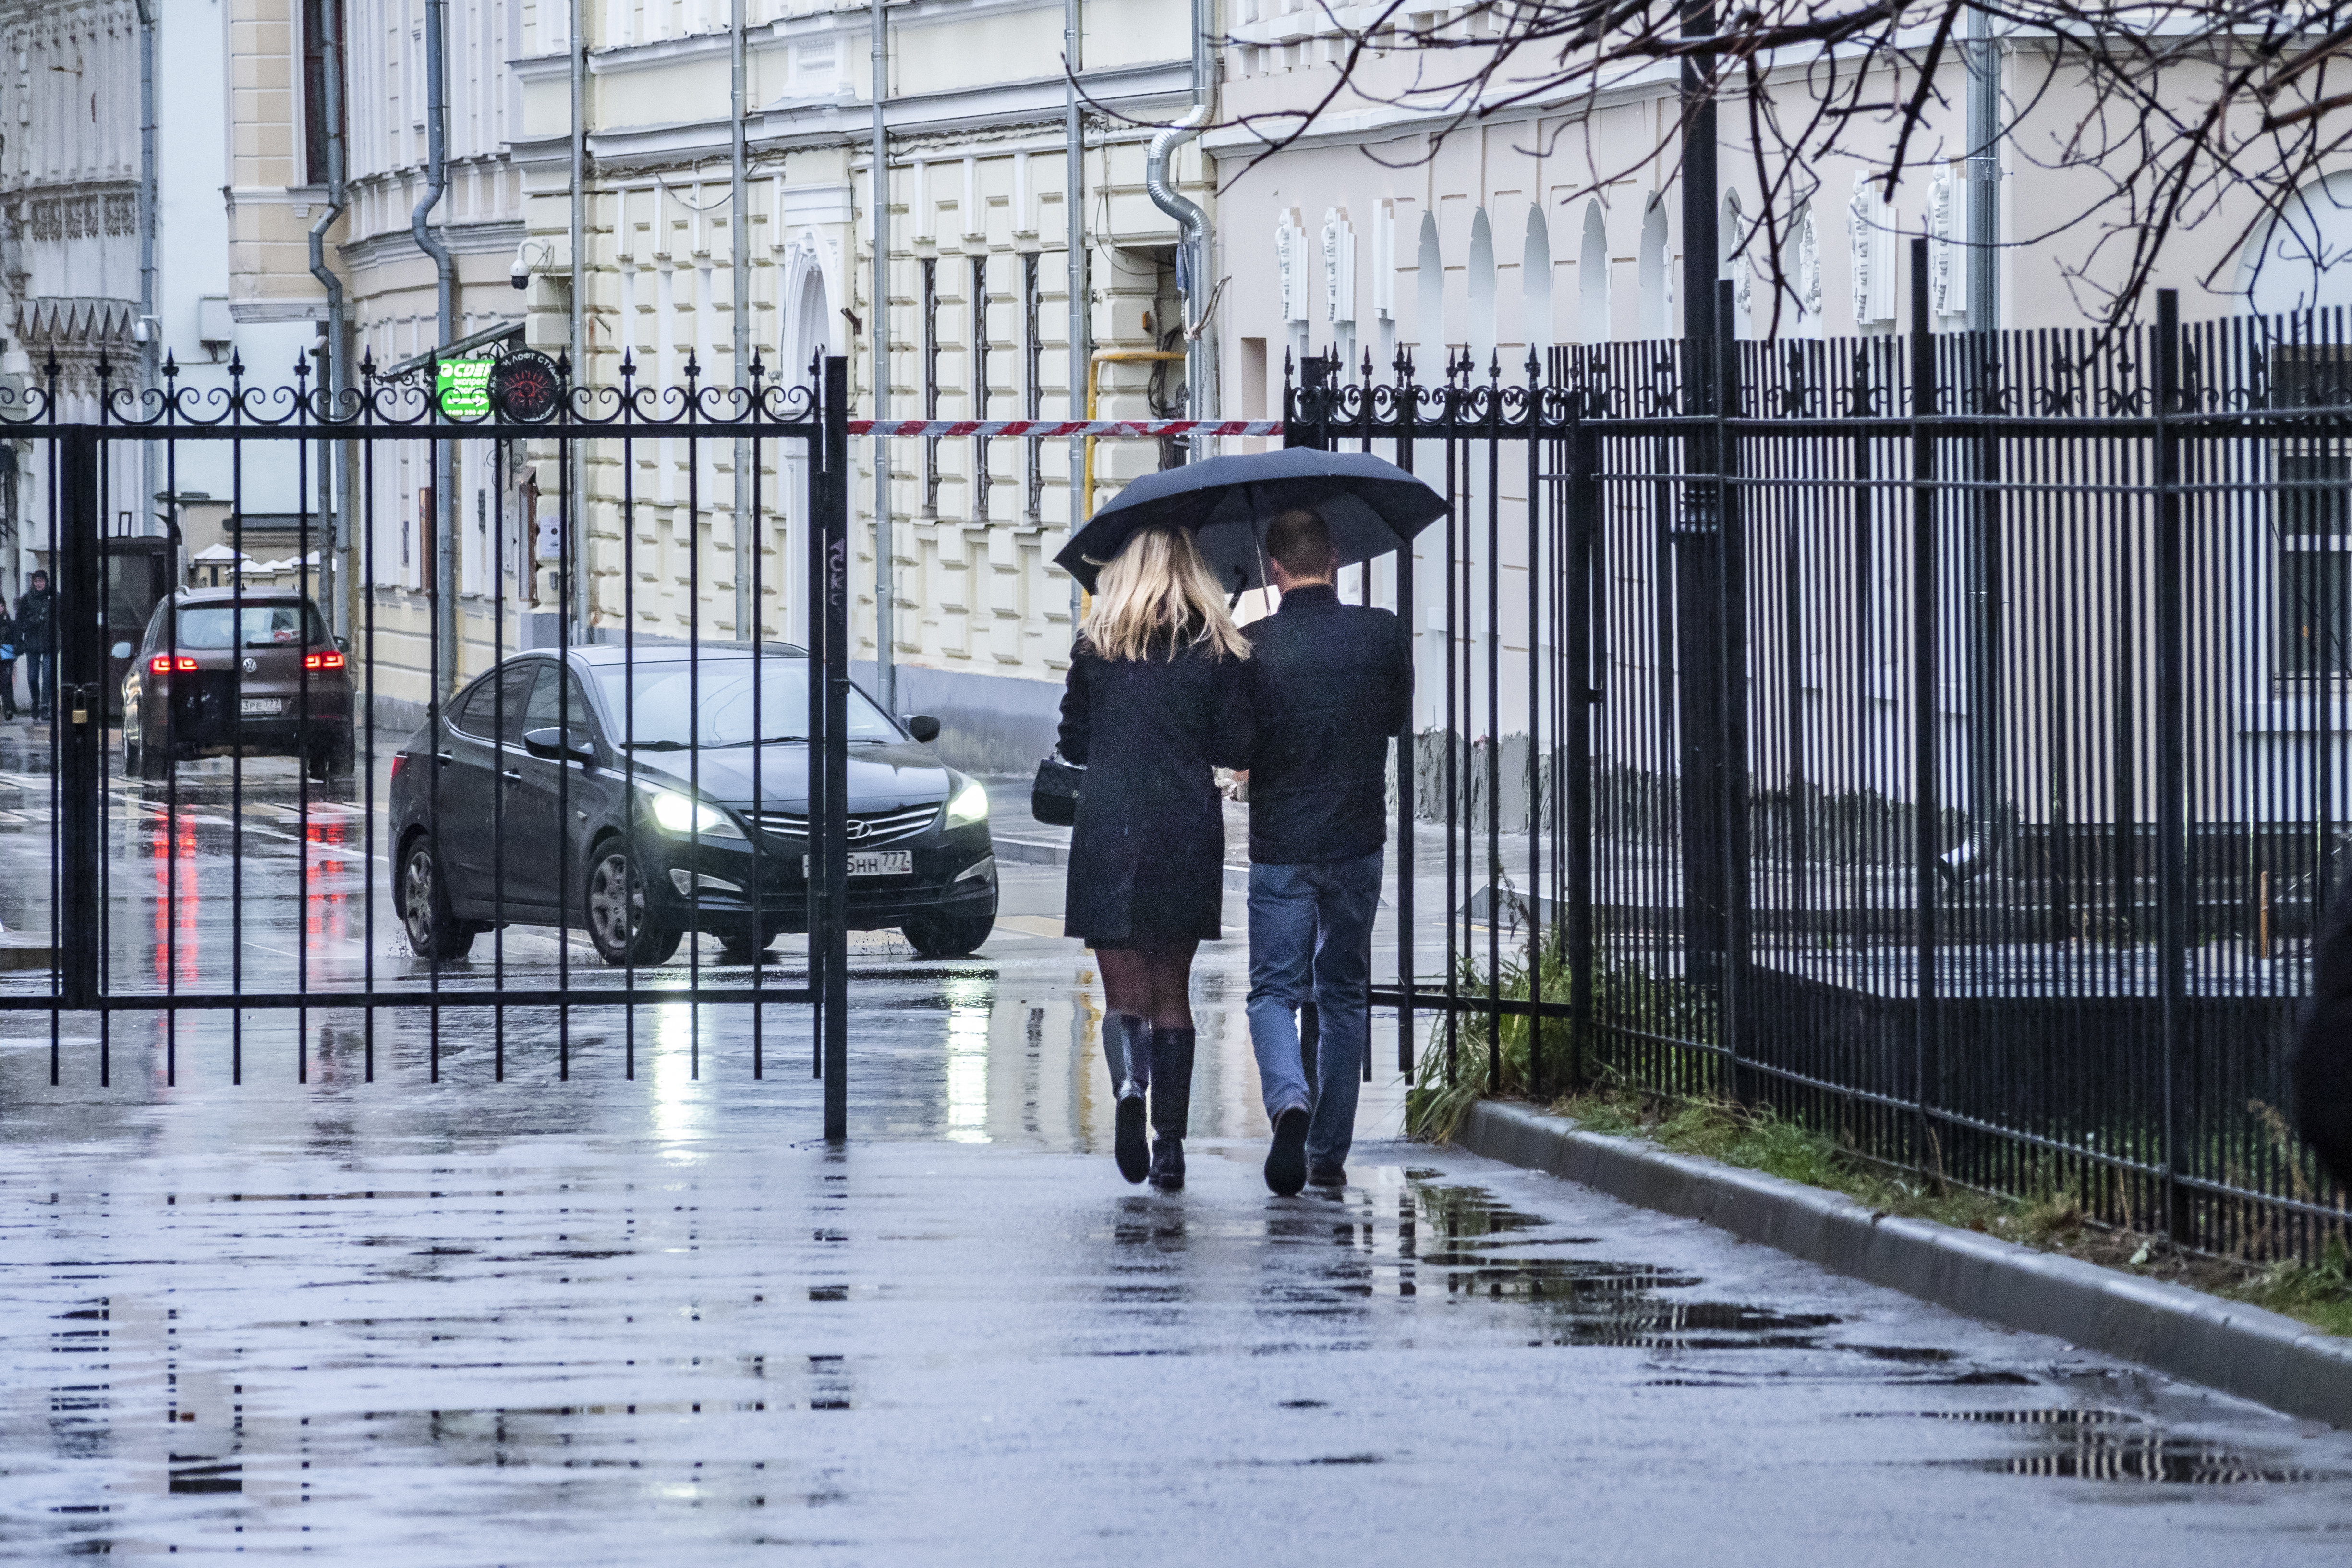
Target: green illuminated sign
[462, 386]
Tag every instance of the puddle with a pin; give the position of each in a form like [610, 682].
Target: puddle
[2098, 1453]
[2090, 1444]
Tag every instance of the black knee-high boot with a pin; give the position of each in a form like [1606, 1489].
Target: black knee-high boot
[1171, 1104]
[1127, 1047]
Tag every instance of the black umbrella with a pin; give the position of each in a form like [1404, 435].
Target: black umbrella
[1372, 506]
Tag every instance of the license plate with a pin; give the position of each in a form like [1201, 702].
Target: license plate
[874, 863]
[260, 707]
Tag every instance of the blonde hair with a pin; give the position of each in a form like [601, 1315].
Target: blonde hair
[1157, 588]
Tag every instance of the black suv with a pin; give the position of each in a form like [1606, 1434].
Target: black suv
[588, 789]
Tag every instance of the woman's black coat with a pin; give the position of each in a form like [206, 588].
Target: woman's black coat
[1148, 852]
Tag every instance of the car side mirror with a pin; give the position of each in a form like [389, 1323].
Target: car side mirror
[923, 727]
[551, 745]
[119, 650]
[343, 645]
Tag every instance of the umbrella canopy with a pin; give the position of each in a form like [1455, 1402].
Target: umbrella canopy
[1370, 505]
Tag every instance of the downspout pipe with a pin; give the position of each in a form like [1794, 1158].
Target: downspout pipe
[738, 243]
[149, 335]
[1073, 213]
[1989, 814]
[335, 373]
[575, 479]
[886, 533]
[1194, 264]
[445, 466]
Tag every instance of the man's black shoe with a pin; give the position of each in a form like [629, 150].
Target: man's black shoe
[1285, 1162]
[1328, 1176]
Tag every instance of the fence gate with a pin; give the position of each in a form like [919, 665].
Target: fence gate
[1940, 739]
[457, 741]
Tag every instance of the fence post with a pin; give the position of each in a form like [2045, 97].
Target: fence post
[834, 962]
[78, 697]
[2171, 749]
[1698, 670]
[1407, 764]
[1733, 617]
[1306, 407]
[1583, 532]
[1924, 698]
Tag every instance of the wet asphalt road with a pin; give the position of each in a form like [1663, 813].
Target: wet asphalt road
[615, 1320]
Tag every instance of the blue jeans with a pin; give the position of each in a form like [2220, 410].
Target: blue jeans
[40, 681]
[1311, 939]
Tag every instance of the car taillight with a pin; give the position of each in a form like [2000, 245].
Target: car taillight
[162, 664]
[399, 761]
[322, 661]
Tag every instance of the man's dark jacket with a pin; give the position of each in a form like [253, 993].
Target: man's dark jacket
[1331, 684]
[35, 612]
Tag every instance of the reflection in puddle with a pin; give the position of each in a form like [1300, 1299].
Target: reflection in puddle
[970, 999]
[2097, 1445]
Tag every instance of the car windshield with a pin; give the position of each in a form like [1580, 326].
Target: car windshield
[666, 692]
[263, 625]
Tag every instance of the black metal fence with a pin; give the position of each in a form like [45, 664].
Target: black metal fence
[1943, 738]
[205, 904]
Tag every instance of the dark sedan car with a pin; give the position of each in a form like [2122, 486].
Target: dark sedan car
[590, 790]
[222, 673]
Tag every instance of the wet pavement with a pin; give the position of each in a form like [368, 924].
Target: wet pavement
[616, 1318]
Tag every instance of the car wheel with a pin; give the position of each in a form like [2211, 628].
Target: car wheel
[743, 946]
[618, 923]
[949, 936]
[141, 760]
[433, 932]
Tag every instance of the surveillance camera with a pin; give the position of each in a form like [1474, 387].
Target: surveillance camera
[520, 275]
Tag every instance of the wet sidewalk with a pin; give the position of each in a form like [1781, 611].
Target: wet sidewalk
[654, 1320]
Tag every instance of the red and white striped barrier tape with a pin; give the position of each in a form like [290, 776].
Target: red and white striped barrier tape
[1065, 427]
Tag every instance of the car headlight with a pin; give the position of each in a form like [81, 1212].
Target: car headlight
[676, 813]
[969, 803]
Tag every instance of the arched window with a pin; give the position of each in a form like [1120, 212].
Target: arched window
[1800, 316]
[1482, 291]
[1656, 284]
[1429, 304]
[1535, 282]
[1593, 278]
[1731, 236]
[2302, 260]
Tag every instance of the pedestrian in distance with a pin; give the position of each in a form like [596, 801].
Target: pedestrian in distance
[1156, 701]
[7, 664]
[1331, 684]
[36, 642]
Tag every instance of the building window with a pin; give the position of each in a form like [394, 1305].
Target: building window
[316, 62]
[2314, 552]
[930, 384]
[1033, 380]
[979, 385]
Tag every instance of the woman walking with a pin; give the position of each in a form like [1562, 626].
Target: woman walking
[1156, 702]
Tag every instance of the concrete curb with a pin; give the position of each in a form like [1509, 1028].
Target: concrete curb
[2202, 1338]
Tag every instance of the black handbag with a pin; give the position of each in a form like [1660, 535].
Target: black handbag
[1055, 796]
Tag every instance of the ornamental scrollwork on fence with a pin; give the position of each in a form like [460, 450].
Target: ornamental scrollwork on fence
[407, 397]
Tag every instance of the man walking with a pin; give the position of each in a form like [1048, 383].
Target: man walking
[36, 642]
[1332, 683]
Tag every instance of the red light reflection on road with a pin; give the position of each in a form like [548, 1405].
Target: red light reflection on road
[175, 916]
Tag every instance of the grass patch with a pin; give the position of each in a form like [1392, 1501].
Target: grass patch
[1760, 1139]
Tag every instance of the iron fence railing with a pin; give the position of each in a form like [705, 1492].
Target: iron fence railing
[178, 917]
[1944, 737]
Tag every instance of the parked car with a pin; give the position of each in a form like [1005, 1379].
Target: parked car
[220, 673]
[590, 791]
